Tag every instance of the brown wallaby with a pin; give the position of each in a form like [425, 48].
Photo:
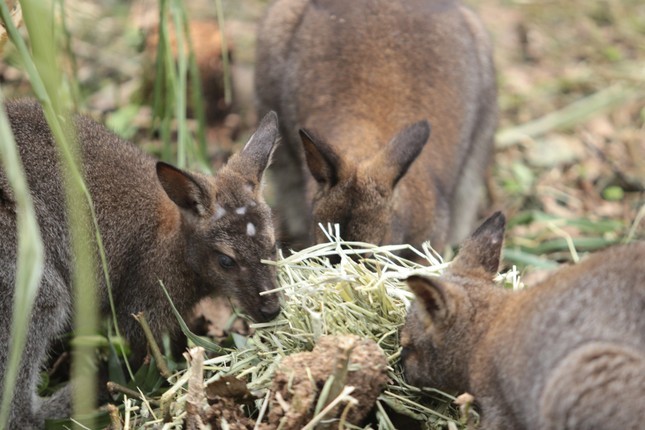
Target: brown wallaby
[567, 353]
[198, 234]
[356, 84]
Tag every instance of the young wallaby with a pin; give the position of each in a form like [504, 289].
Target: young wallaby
[567, 353]
[356, 84]
[198, 234]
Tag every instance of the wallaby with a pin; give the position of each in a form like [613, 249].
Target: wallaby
[198, 234]
[356, 84]
[567, 353]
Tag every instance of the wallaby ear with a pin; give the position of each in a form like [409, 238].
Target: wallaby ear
[322, 160]
[182, 188]
[392, 162]
[256, 154]
[433, 295]
[484, 248]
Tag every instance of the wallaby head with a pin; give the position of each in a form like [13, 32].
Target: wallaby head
[198, 234]
[359, 194]
[227, 227]
[355, 75]
[568, 353]
[442, 324]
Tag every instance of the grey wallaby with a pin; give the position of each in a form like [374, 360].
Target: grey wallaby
[200, 235]
[356, 85]
[567, 353]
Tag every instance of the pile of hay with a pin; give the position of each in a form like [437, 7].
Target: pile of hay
[364, 295]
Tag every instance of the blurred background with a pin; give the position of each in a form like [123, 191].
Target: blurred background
[570, 162]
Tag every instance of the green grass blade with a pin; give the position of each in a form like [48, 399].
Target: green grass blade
[181, 87]
[197, 340]
[228, 88]
[42, 68]
[523, 258]
[30, 258]
[197, 98]
[165, 84]
[567, 117]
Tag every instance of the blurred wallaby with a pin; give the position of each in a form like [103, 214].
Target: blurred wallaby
[567, 353]
[198, 234]
[356, 84]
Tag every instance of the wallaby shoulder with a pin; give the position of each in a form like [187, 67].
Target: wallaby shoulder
[581, 313]
[355, 75]
[198, 234]
[599, 296]
[568, 352]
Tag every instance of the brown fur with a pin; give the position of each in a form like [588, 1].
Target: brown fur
[568, 353]
[158, 223]
[363, 78]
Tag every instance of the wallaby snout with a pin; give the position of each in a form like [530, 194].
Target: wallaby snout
[271, 308]
[566, 353]
[197, 234]
[356, 93]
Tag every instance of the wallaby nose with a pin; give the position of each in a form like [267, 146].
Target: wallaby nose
[270, 310]
[334, 259]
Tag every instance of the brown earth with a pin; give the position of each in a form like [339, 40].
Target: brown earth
[300, 379]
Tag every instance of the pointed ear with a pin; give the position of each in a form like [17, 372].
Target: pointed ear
[321, 158]
[434, 296]
[484, 248]
[256, 154]
[393, 161]
[182, 188]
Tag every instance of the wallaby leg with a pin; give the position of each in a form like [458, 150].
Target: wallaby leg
[48, 318]
[494, 415]
[25, 404]
[598, 386]
[59, 404]
[290, 190]
[471, 186]
[472, 180]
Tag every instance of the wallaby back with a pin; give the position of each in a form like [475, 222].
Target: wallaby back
[356, 84]
[568, 353]
[199, 235]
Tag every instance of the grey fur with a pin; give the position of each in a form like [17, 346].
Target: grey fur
[151, 232]
[568, 353]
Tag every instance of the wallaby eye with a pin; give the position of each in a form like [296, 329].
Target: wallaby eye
[225, 261]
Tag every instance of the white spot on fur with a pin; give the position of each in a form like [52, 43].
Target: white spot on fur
[248, 187]
[250, 229]
[219, 212]
[241, 211]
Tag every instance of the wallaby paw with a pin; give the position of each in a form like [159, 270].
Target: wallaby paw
[58, 405]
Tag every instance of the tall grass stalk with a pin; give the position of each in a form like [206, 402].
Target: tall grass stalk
[30, 258]
[164, 84]
[42, 68]
[74, 88]
[228, 91]
[171, 88]
[182, 75]
[200, 153]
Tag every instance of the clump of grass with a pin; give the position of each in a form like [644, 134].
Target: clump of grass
[365, 295]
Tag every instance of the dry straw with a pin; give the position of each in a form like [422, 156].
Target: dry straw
[365, 295]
